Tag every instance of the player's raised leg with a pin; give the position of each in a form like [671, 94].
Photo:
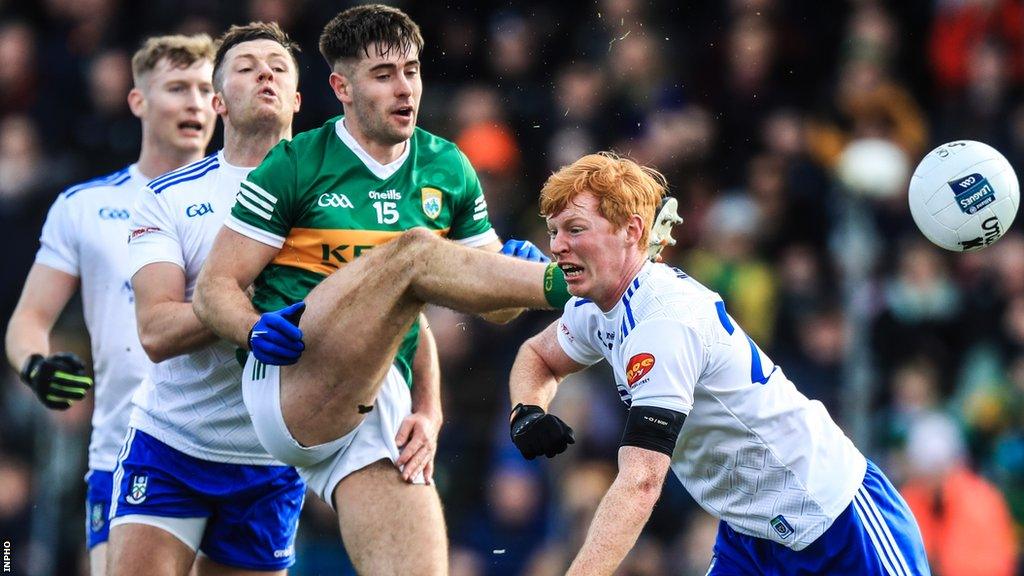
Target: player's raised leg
[417, 526]
[356, 318]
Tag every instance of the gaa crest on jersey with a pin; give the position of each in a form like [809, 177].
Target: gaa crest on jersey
[431, 198]
[638, 367]
[972, 193]
[137, 492]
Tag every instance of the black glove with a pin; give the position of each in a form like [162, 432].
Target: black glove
[534, 432]
[59, 380]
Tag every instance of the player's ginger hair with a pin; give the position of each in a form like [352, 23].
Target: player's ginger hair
[179, 50]
[622, 187]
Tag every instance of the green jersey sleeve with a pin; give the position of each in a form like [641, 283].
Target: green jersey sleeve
[469, 218]
[264, 206]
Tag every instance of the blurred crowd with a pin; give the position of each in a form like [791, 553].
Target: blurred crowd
[787, 129]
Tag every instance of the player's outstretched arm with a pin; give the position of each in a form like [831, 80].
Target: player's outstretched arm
[167, 325]
[58, 380]
[623, 512]
[417, 436]
[220, 300]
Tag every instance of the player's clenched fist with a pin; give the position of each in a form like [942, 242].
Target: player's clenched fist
[535, 432]
[59, 379]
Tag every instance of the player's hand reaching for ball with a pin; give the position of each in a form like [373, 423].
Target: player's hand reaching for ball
[275, 339]
[535, 432]
[417, 438]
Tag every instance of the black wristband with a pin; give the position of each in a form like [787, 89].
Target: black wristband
[29, 367]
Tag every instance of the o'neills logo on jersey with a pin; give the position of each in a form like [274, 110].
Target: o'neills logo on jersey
[384, 195]
[431, 202]
[638, 367]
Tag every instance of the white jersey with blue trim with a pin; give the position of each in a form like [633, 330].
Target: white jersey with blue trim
[86, 236]
[753, 450]
[192, 402]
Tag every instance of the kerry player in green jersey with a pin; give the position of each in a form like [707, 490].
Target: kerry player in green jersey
[301, 233]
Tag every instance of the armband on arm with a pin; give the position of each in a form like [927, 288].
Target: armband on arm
[653, 429]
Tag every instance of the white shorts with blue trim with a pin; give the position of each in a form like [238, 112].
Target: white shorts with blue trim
[324, 465]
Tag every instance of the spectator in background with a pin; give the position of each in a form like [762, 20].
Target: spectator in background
[26, 174]
[959, 27]
[501, 539]
[870, 102]
[978, 110]
[730, 265]
[579, 113]
[915, 392]
[922, 314]
[19, 84]
[486, 139]
[963, 518]
[108, 135]
[15, 508]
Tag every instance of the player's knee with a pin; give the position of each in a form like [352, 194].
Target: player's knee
[416, 238]
[413, 245]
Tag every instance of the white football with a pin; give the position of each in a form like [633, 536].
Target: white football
[964, 195]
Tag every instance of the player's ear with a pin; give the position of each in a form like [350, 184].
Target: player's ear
[298, 101]
[341, 86]
[634, 229]
[219, 107]
[136, 102]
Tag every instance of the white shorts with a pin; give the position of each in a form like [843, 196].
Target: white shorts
[324, 465]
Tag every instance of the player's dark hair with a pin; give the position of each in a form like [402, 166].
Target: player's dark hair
[251, 31]
[352, 33]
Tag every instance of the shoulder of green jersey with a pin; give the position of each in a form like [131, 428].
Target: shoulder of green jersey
[427, 137]
[481, 239]
[256, 199]
[479, 208]
[250, 231]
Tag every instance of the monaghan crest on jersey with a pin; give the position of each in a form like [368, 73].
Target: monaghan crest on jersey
[431, 202]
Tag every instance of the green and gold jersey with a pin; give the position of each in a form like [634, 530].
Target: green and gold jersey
[323, 201]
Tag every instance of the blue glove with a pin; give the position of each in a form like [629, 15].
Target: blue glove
[524, 249]
[275, 338]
